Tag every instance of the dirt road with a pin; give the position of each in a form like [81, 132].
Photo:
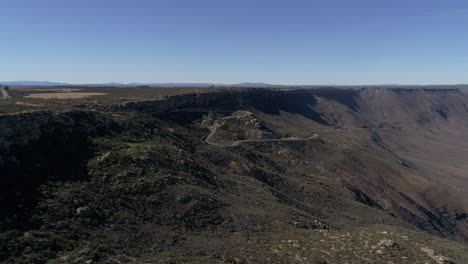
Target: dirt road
[217, 123]
[4, 92]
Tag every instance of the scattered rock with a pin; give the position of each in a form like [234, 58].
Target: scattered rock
[45, 243]
[386, 242]
[84, 212]
[104, 157]
[3, 237]
[439, 259]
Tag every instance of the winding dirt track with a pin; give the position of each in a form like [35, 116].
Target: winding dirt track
[217, 123]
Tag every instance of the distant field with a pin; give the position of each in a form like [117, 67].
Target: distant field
[47, 89]
[113, 93]
[68, 95]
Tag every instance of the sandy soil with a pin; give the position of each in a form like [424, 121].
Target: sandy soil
[68, 95]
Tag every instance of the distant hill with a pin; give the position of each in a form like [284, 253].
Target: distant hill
[33, 83]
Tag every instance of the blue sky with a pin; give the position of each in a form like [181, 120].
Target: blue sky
[227, 41]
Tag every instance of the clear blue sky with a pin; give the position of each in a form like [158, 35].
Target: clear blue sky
[230, 41]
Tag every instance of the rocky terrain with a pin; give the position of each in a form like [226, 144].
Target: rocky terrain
[320, 176]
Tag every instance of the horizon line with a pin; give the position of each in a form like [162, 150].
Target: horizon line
[57, 83]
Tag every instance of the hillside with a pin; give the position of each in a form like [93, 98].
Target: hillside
[240, 176]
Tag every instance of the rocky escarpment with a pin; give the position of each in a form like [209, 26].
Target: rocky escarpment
[415, 108]
[378, 107]
[224, 100]
[300, 102]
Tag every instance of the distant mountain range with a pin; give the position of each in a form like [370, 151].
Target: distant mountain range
[241, 85]
[32, 83]
[133, 84]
